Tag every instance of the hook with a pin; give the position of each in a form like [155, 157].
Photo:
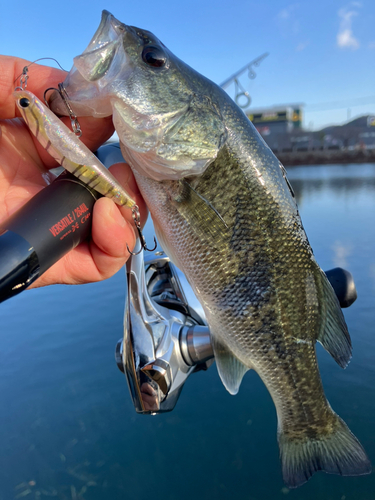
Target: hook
[137, 221]
[45, 92]
[73, 117]
[64, 96]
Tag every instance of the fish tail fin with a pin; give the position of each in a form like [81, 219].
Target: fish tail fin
[337, 452]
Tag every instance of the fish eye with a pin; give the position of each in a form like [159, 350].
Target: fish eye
[154, 56]
[24, 102]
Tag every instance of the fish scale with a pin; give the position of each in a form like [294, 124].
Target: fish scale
[225, 213]
[228, 259]
[268, 337]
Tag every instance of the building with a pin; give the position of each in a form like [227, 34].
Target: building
[277, 123]
[281, 128]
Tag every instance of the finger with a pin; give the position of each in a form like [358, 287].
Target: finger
[99, 258]
[112, 232]
[95, 131]
[105, 247]
[111, 235]
[125, 176]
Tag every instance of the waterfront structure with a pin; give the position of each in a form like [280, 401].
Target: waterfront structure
[281, 128]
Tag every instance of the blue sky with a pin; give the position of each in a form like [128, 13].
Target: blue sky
[322, 53]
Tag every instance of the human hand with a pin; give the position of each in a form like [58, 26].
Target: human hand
[24, 163]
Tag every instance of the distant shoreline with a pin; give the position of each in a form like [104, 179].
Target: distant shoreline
[324, 157]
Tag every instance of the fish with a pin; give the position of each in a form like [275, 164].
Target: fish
[68, 150]
[225, 213]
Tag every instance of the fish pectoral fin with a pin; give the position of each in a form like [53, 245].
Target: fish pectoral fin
[209, 225]
[230, 368]
[204, 213]
[334, 335]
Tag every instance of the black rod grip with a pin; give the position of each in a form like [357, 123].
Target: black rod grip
[47, 227]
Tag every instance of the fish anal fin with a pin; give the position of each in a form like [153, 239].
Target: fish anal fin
[231, 369]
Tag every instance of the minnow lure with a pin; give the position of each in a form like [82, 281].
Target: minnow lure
[68, 150]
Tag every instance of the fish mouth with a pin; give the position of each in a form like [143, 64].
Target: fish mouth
[89, 75]
[109, 30]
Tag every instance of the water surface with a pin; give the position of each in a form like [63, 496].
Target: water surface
[68, 429]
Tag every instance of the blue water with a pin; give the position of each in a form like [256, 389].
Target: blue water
[68, 429]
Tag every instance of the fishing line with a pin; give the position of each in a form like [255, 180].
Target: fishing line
[26, 68]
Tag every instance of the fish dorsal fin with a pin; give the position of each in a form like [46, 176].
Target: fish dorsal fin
[287, 180]
[230, 368]
[334, 335]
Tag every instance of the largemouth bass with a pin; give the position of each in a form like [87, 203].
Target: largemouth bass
[225, 213]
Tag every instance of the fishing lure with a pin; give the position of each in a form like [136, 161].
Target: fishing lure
[69, 151]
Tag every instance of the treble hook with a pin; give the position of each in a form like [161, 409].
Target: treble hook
[45, 94]
[65, 98]
[137, 221]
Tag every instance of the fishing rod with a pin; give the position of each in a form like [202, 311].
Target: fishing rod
[240, 92]
[40, 233]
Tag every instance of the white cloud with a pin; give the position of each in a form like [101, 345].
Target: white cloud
[345, 37]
